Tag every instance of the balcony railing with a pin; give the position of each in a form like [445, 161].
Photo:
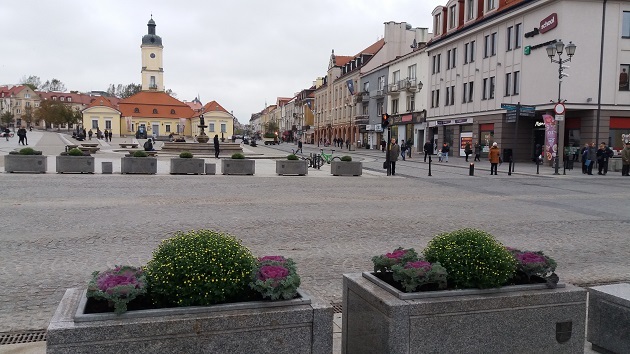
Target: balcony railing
[393, 89]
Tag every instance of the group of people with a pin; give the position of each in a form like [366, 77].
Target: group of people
[21, 133]
[591, 154]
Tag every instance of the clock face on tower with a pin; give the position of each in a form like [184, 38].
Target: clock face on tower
[152, 55]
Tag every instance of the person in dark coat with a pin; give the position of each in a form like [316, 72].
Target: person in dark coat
[300, 147]
[603, 154]
[394, 151]
[90, 134]
[216, 145]
[477, 152]
[409, 146]
[21, 133]
[110, 136]
[428, 150]
[467, 150]
[403, 149]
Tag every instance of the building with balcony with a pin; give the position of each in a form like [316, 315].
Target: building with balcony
[489, 54]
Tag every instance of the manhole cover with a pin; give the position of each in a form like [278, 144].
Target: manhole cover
[22, 337]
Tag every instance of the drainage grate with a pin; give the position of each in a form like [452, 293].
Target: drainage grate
[22, 337]
[337, 307]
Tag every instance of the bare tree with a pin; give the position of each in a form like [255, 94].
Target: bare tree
[54, 85]
[32, 81]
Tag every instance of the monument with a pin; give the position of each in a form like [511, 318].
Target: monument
[202, 137]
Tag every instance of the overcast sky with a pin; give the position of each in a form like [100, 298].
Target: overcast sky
[241, 53]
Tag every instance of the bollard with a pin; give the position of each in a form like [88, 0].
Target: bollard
[564, 170]
[471, 169]
[429, 165]
[510, 168]
[537, 166]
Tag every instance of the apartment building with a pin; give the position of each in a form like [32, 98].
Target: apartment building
[489, 54]
[21, 101]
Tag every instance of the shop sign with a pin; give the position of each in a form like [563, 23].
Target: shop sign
[407, 118]
[369, 127]
[539, 124]
[548, 23]
[454, 121]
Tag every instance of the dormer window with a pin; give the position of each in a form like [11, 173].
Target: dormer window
[491, 5]
[470, 9]
[69, 99]
[54, 98]
[437, 24]
[172, 111]
[155, 111]
[452, 17]
[136, 110]
[62, 98]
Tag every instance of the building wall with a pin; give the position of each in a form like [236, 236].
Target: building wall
[152, 67]
[101, 115]
[214, 120]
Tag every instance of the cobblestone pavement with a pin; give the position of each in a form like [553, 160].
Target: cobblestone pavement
[58, 229]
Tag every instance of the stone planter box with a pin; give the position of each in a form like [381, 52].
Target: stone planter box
[238, 167]
[609, 318]
[292, 167]
[301, 325]
[25, 163]
[514, 319]
[75, 164]
[139, 165]
[181, 166]
[346, 168]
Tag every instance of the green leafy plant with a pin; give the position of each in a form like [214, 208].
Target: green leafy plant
[412, 275]
[346, 158]
[76, 152]
[238, 156]
[275, 277]
[118, 286]
[292, 157]
[533, 263]
[473, 258]
[384, 263]
[186, 155]
[197, 268]
[29, 151]
[139, 153]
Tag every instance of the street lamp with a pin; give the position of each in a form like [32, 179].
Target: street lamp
[553, 49]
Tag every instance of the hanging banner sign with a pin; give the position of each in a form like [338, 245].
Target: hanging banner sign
[551, 146]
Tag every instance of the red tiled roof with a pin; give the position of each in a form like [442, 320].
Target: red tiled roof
[194, 105]
[74, 97]
[214, 106]
[373, 48]
[341, 60]
[102, 101]
[146, 102]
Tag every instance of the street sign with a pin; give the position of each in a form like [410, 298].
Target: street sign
[510, 116]
[508, 106]
[511, 107]
[527, 113]
[559, 117]
[559, 109]
[527, 108]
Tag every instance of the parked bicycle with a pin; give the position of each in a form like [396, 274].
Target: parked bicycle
[327, 157]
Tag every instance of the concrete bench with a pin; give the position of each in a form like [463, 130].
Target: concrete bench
[609, 317]
[89, 145]
[70, 147]
[131, 145]
[91, 150]
[151, 153]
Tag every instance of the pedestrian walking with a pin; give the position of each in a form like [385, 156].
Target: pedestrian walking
[300, 147]
[383, 145]
[216, 145]
[409, 146]
[445, 150]
[403, 149]
[603, 154]
[625, 160]
[591, 156]
[105, 134]
[584, 155]
[21, 133]
[394, 151]
[495, 157]
[467, 150]
[90, 134]
[7, 132]
[477, 152]
[428, 150]
[110, 136]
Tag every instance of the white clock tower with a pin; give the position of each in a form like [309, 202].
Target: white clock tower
[152, 70]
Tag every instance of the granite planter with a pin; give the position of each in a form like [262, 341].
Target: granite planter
[184, 166]
[75, 164]
[301, 325]
[346, 168]
[138, 165]
[512, 319]
[238, 167]
[25, 163]
[609, 318]
[292, 167]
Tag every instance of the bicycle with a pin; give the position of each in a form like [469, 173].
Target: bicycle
[327, 157]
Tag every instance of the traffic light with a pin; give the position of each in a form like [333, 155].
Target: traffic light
[384, 120]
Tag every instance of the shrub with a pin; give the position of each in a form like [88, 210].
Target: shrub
[400, 255]
[186, 155]
[76, 152]
[533, 263]
[412, 275]
[119, 285]
[139, 153]
[198, 268]
[292, 157]
[472, 258]
[28, 151]
[275, 277]
[346, 158]
[238, 156]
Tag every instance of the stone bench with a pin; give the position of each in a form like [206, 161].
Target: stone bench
[70, 147]
[91, 150]
[609, 318]
[131, 145]
[89, 145]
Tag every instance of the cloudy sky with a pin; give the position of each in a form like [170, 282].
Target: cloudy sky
[241, 53]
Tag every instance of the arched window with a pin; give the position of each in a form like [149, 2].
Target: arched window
[136, 110]
[154, 110]
[172, 111]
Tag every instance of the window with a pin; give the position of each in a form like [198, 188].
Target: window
[470, 9]
[439, 59]
[436, 24]
[136, 110]
[452, 95]
[464, 91]
[472, 52]
[435, 98]
[452, 15]
[625, 26]
[492, 81]
[366, 87]
[381, 83]
[433, 64]
[108, 124]
[18, 111]
[448, 59]
[466, 53]
[27, 95]
[62, 98]
[490, 5]
[94, 123]
[451, 58]
[132, 125]
[493, 41]
[152, 84]
[27, 104]
[379, 108]
[211, 127]
[470, 91]
[509, 38]
[168, 128]
[366, 109]
[517, 83]
[411, 103]
[486, 46]
[395, 106]
[54, 98]
[396, 76]
[517, 36]
[36, 104]
[448, 96]
[172, 111]
[155, 111]
[69, 99]
[223, 128]
[484, 93]
[411, 71]
[508, 83]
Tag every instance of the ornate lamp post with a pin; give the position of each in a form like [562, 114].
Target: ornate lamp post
[553, 49]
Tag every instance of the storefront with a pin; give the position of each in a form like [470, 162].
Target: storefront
[454, 132]
[486, 138]
[619, 132]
